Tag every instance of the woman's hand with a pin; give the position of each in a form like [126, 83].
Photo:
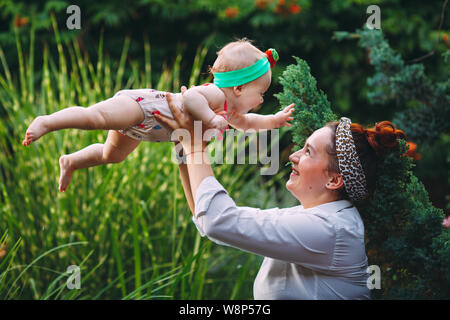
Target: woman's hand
[192, 173]
[182, 120]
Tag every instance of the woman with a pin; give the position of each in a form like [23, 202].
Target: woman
[314, 250]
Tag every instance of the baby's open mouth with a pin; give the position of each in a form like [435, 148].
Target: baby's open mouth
[295, 172]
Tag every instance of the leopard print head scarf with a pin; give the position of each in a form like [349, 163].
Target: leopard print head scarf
[349, 164]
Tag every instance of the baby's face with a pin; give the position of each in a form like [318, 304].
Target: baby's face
[253, 92]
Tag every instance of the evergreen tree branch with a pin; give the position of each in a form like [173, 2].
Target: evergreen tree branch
[438, 39]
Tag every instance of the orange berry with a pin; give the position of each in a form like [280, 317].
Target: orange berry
[261, 4]
[20, 22]
[412, 151]
[2, 251]
[295, 8]
[231, 12]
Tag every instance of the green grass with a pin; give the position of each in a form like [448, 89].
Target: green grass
[127, 226]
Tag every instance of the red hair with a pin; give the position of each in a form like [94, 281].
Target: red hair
[370, 143]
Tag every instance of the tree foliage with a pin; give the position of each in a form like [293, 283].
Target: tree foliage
[404, 232]
[423, 104]
[313, 110]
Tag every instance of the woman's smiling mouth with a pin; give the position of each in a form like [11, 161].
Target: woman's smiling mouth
[294, 172]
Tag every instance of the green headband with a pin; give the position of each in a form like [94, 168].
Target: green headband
[242, 76]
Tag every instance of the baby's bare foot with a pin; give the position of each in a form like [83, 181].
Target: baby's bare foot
[36, 130]
[66, 173]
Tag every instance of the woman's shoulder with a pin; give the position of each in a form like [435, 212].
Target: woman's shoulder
[344, 215]
[329, 209]
[333, 207]
[321, 210]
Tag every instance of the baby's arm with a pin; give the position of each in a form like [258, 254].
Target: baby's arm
[250, 121]
[200, 102]
[260, 122]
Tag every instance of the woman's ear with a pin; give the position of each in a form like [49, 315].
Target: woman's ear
[237, 91]
[335, 182]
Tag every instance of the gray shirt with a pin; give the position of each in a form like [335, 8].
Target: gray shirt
[314, 253]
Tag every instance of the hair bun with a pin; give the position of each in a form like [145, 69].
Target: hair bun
[383, 137]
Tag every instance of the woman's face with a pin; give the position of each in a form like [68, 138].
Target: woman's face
[309, 177]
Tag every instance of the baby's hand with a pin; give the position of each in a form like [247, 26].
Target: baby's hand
[218, 122]
[281, 118]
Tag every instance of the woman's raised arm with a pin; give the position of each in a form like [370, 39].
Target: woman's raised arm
[184, 176]
[198, 166]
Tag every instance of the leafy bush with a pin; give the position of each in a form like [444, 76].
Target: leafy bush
[424, 106]
[404, 232]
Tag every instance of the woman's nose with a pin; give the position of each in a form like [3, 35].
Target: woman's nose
[295, 157]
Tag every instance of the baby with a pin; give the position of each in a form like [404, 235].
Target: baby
[242, 73]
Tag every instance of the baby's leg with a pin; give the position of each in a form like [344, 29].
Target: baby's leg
[115, 113]
[116, 148]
